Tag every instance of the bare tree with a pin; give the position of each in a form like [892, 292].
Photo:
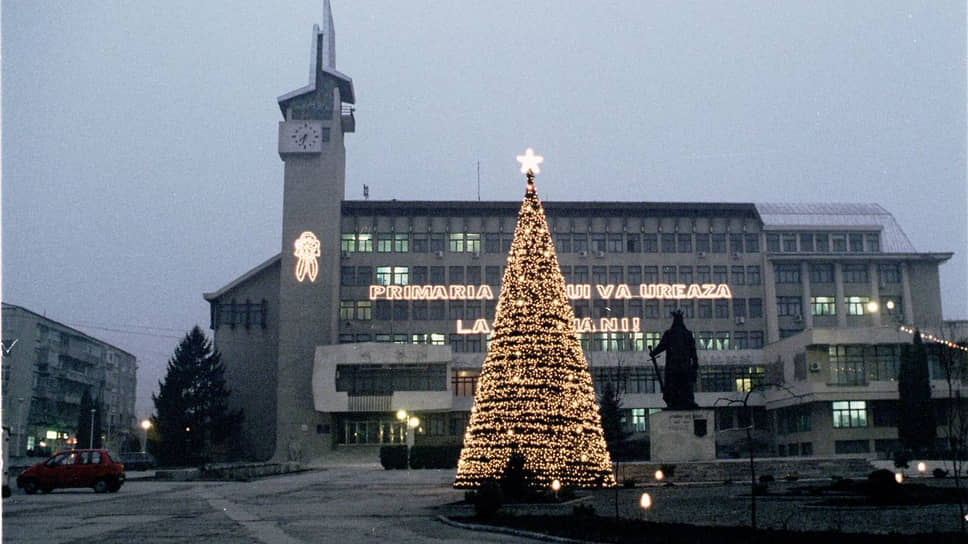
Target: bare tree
[954, 364]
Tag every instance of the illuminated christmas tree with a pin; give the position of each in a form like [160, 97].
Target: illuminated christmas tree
[535, 396]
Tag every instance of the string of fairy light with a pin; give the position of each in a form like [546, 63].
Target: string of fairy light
[932, 338]
[535, 394]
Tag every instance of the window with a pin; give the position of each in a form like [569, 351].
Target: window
[401, 275]
[381, 311]
[668, 243]
[437, 275]
[855, 273]
[650, 243]
[400, 311]
[420, 310]
[821, 273]
[580, 274]
[788, 306]
[346, 309]
[652, 309]
[347, 275]
[473, 242]
[492, 243]
[856, 242]
[384, 242]
[492, 275]
[806, 242]
[705, 309]
[722, 343]
[822, 242]
[347, 243]
[580, 243]
[456, 242]
[401, 242]
[364, 243]
[839, 243]
[615, 243]
[364, 275]
[437, 242]
[888, 273]
[753, 275]
[739, 307]
[718, 243]
[384, 275]
[456, 309]
[420, 244]
[437, 312]
[669, 274]
[773, 243]
[722, 309]
[688, 309]
[823, 306]
[874, 243]
[738, 275]
[383, 380]
[651, 274]
[364, 310]
[419, 275]
[884, 413]
[685, 274]
[616, 275]
[752, 242]
[719, 274]
[702, 243]
[598, 243]
[852, 446]
[668, 307]
[787, 273]
[735, 243]
[789, 243]
[473, 275]
[506, 240]
[702, 274]
[634, 275]
[705, 340]
[756, 339]
[847, 365]
[599, 275]
[857, 305]
[633, 243]
[740, 340]
[849, 414]
[456, 275]
[635, 308]
[684, 243]
[640, 420]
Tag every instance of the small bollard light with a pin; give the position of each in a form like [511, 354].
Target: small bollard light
[659, 475]
[645, 502]
[556, 487]
[899, 477]
[922, 467]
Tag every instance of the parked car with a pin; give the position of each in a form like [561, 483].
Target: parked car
[137, 460]
[76, 468]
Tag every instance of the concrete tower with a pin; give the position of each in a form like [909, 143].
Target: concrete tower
[315, 118]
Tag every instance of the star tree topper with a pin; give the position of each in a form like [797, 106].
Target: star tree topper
[529, 162]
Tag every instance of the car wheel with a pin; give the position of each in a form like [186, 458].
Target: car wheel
[101, 486]
[30, 487]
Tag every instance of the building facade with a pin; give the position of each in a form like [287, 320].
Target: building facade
[47, 368]
[378, 306]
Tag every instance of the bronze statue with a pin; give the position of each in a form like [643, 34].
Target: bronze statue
[682, 365]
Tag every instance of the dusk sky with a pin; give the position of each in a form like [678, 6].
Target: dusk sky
[140, 166]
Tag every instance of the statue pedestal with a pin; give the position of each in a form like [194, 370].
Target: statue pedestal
[678, 436]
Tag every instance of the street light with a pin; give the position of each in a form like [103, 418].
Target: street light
[90, 442]
[411, 423]
[20, 425]
[145, 424]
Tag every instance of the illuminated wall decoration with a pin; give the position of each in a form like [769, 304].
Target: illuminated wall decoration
[535, 393]
[581, 324]
[307, 255]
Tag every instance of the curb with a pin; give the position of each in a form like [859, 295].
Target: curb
[507, 531]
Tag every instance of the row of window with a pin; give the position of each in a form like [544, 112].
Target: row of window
[603, 341]
[246, 314]
[823, 242]
[860, 364]
[436, 310]
[494, 242]
[887, 273]
[827, 306]
[600, 275]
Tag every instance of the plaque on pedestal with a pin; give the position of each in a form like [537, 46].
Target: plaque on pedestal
[678, 436]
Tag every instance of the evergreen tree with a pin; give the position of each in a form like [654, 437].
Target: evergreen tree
[610, 406]
[535, 397]
[915, 420]
[84, 434]
[191, 407]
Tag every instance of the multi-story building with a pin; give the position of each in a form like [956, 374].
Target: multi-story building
[378, 306]
[47, 368]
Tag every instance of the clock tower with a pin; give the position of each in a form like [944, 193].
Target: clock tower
[315, 119]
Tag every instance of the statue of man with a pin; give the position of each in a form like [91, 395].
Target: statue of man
[682, 364]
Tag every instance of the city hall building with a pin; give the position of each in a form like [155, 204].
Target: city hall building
[377, 306]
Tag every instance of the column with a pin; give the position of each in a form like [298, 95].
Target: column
[841, 304]
[875, 295]
[769, 302]
[907, 303]
[806, 308]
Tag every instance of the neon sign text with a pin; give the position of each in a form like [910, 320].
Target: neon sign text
[582, 325]
[580, 291]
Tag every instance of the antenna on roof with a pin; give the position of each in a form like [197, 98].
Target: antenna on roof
[478, 181]
[366, 192]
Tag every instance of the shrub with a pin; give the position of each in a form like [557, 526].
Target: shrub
[901, 458]
[767, 478]
[393, 457]
[668, 470]
[516, 479]
[434, 456]
[583, 511]
[939, 473]
[488, 498]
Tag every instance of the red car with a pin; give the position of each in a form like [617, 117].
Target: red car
[76, 468]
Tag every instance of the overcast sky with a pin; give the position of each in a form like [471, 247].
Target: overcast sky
[140, 166]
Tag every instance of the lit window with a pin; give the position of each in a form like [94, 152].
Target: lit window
[823, 306]
[364, 243]
[849, 413]
[457, 242]
[857, 305]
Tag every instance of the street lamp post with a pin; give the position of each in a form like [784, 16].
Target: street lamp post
[20, 425]
[145, 424]
[411, 423]
[90, 442]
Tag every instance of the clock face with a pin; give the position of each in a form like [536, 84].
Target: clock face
[305, 137]
[300, 137]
